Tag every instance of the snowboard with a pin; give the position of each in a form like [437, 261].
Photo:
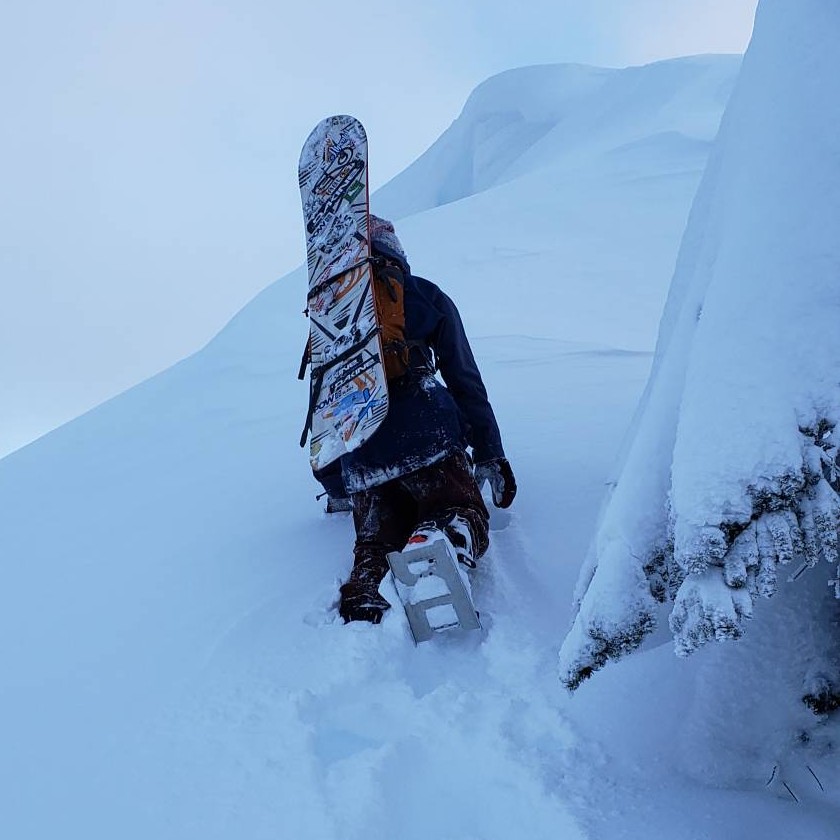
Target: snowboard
[430, 586]
[348, 390]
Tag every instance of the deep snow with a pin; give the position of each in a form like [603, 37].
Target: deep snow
[171, 666]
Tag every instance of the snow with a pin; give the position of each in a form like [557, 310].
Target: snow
[723, 477]
[172, 665]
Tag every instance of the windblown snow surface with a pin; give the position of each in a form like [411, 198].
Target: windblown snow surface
[172, 666]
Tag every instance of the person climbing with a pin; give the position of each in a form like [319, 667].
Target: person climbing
[414, 473]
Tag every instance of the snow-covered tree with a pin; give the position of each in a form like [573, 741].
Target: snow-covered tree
[727, 487]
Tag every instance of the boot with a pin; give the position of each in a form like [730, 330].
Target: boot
[455, 528]
[360, 599]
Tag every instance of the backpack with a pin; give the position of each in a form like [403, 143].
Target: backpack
[389, 298]
[389, 294]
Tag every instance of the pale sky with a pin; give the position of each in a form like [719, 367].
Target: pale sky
[148, 152]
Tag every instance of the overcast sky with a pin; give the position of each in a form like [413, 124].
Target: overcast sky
[148, 152]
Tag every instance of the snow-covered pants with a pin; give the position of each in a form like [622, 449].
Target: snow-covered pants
[385, 516]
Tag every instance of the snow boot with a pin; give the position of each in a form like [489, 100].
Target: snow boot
[360, 599]
[454, 528]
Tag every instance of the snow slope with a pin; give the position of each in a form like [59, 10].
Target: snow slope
[171, 665]
[573, 178]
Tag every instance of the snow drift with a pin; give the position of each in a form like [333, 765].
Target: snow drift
[731, 469]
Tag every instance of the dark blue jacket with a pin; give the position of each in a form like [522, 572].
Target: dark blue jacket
[427, 421]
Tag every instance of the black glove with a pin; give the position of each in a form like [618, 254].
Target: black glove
[502, 483]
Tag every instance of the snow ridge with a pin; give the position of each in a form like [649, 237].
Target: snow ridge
[561, 117]
[731, 468]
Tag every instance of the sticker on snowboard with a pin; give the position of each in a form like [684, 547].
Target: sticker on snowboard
[432, 591]
[348, 388]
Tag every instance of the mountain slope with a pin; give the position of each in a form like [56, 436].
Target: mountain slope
[172, 664]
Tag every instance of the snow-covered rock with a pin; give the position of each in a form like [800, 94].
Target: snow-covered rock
[730, 468]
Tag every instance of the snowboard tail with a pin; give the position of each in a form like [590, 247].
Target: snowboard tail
[432, 591]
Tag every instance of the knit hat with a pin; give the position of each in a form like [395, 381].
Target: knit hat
[384, 239]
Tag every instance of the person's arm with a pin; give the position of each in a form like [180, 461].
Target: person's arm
[463, 379]
[461, 375]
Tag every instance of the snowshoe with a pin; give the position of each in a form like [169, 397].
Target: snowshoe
[432, 583]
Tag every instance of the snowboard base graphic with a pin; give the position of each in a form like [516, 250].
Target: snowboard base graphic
[431, 590]
[348, 388]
